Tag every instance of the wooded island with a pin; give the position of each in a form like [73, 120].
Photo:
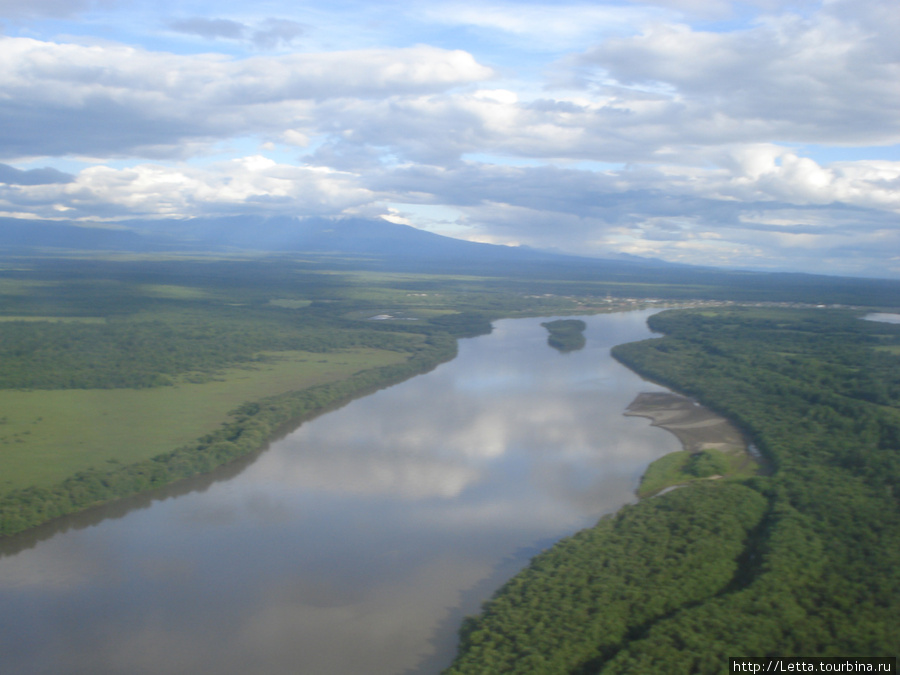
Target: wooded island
[566, 335]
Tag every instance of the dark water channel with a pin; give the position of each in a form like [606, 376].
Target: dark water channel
[355, 544]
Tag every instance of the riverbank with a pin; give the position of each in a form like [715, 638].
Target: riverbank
[713, 447]
[697, 428]
[254, 424]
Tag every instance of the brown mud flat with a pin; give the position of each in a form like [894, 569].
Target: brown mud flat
[696, 427]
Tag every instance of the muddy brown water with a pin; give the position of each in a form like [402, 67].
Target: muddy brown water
[357, 543]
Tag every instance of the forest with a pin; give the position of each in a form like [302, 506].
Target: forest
[805, 561]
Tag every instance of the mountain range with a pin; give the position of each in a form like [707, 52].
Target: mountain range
[248, 233]
[383, 245]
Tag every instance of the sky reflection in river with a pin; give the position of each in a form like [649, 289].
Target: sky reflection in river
[356, 543]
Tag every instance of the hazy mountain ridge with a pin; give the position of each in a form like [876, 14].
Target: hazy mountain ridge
[277, 234]
[377, 244]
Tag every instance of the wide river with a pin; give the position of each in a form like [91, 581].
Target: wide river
[354, 545]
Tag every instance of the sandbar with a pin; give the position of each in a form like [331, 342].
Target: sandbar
[697, 428]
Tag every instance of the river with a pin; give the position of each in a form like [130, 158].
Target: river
[358, 542]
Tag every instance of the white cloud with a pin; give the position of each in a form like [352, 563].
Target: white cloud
[254, 182]
[549, 26]
[827, 78]
[113, 100]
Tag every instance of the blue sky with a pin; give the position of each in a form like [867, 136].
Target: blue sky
[758, 134]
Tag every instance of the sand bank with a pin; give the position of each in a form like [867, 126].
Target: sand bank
[695, 426]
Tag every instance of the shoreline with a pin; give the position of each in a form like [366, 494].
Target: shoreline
[697, 427]
[255, 424]
[712, 447]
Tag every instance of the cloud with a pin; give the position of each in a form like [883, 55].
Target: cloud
[657, 135]
[441, 128]
[769, 209]
[826, 78]
[270, 33]
[235, 186]
[547, 26]
[46, 176]
[753, 208]
[274, 33]
[701, 8]
[29, 9]
[113, 100]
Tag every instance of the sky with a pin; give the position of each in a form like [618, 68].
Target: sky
[755, 135]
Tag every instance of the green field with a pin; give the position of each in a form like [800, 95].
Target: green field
[676, 469]
[48, 435]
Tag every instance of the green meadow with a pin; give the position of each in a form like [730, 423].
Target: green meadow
[48, 435]
[683, 467]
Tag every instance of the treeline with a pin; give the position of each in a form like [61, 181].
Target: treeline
[134, 353]
[254, 424]
[815, 560]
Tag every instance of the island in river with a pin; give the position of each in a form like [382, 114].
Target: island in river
[566, 335]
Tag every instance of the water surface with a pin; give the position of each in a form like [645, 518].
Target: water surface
[883, 317]
[356, 543]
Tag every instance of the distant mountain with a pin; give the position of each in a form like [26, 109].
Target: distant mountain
[19, 234]
[363, 239]
[358, 236]
[359, 243]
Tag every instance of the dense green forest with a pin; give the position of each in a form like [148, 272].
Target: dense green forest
[804, 562]
[154, 352]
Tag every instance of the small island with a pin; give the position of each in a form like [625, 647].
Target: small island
[566, 335]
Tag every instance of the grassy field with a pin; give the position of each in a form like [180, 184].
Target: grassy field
[47, 435]
[673, 469]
